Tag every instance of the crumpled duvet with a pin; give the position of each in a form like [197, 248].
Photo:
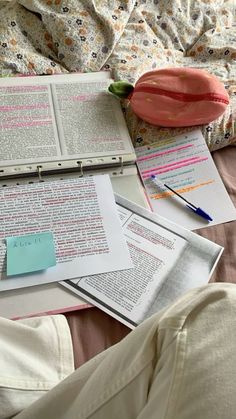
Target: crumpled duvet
[129, 38]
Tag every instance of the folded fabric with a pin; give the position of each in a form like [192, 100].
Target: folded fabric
[129, 38]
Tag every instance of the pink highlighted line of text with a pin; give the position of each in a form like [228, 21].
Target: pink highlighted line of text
[152, 156]
[159, 172]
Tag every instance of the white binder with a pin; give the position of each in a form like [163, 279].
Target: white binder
[31, 110]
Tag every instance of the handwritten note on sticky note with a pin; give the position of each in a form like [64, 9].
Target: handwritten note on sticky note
[30, 253]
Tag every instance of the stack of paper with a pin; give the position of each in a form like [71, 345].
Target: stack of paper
[168, 260]
[185, 164]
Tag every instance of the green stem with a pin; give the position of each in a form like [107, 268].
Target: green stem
[121, 89]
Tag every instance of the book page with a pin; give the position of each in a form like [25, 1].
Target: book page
[27, 124]
[168, 260]
[61, 117]
[90, 120]
[81, 215]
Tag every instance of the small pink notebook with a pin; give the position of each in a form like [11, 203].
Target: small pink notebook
[39, 301]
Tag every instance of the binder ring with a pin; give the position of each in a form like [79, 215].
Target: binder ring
[39, 170]
[80, 164]
[121, 165]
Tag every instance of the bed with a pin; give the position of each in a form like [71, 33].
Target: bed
[94, 331]
[129, 38]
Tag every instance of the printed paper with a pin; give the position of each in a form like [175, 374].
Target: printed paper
[82, 216]
[185, 164]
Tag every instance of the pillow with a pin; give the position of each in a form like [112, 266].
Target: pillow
[217, 134]
[178, 97]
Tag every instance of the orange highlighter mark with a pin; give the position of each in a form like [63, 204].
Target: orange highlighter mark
[167, 194]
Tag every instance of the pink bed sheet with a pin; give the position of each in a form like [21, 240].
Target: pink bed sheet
[225, 234]
[93, 330]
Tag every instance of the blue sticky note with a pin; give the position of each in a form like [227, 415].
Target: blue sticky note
[30, 253]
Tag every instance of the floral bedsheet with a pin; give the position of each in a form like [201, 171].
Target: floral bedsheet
[129, 38]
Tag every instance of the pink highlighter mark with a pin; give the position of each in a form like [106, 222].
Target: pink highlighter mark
[151, 156]
[22, 107]
[159, 172]
[80, 97]
[24, 89]
[27, 124]
[148, 171]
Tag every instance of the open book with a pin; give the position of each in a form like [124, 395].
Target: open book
[168, 260]
[64, 124]
[61, 122]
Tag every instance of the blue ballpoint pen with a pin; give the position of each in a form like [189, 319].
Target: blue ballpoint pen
[196, 210]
